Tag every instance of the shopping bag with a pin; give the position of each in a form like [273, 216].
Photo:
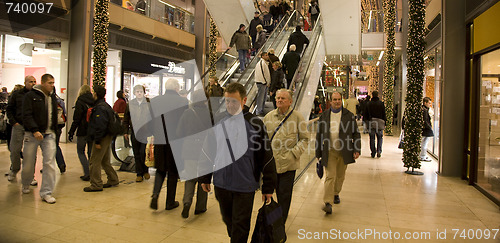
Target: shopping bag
[269, 226]
[150, 154]
[319, 169]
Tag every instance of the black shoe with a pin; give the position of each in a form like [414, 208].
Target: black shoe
[154, 202]
[185, 210]
[170, 207]
[85, 178]
[107, 185]
[336, 199]
[196, 212]
[62, 170]
[327, 208]
[378, 155]
[373, 155]
[90, 189]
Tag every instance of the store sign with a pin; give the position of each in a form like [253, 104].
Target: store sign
[18, 50]
[171, 68]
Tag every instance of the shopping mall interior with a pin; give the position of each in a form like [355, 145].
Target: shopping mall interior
[446, 50]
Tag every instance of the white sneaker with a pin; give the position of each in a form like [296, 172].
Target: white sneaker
[34, 182]
[26, 189]
[11, 176]
[49, 199]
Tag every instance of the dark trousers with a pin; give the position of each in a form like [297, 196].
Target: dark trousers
[81, 142]
[61, 164]
[139, 150]
[236, 209]
[171, 185]
[379, 135]
[289, 83]
[284, 191]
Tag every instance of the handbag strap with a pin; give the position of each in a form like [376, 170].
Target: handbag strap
[228, 143]
[262, 70]
[281, 124]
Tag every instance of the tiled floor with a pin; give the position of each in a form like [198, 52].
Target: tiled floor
[377, 197]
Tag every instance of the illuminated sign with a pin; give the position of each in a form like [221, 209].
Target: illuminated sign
[171, 68]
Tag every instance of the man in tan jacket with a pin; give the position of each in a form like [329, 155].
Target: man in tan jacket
[288, 141]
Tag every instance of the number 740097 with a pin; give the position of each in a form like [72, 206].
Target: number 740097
[476, 234]
[28, 8]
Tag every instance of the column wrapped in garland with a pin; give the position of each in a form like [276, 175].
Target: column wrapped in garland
[389, 25]
[413, 111]
[100, 36]
[212, 48]
[373, 79]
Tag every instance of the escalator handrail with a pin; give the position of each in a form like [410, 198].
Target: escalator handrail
[315, 37]
[211, 66]
[260, 50]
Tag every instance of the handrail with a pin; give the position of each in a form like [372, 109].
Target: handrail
[211, 66]
[316, 35]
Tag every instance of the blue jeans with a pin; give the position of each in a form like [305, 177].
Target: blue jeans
[81, 141]
[48, 146]
[380, 139]
[242, 57]
[423, 148]
[16, 146]
[261, 98]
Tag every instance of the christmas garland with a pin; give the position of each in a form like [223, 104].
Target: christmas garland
[100, 37]
[389, 25]
[413, 111]
[212, 45]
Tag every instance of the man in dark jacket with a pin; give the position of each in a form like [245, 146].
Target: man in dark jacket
[98, 132]
[15, 115]
[298, 39]
[364, 113]
[376, 123]
[236, 172]
[252, 29]
[137, 114]
[168, 109]
[427, 132]
[290, 62]
[339, 144]
[40, 124]
[243, 43]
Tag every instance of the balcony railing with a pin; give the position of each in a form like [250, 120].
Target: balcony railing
[161, 11]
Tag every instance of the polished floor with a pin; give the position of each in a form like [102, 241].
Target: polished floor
[377, 197]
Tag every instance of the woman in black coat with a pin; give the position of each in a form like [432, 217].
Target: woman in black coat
[82, 104]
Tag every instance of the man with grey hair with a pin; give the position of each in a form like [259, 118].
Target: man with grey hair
[167, 110]
[15, 115]
[338, 144]
[289, 137]
[290, 63]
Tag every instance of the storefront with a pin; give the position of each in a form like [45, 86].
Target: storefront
[432, 89]
[153, 72]
[483, 150]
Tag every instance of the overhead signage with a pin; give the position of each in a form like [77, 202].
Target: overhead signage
[171, 68]
[18, 50]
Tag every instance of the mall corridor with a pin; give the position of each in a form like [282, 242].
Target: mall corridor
[377, 197]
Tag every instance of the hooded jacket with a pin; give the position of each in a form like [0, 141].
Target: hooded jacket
[36, 111]
[241, 39]
[15, 106]
[79, 124]
[243, 174]
[99, 120]
[298, 39]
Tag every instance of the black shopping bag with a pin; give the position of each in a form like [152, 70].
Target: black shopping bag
[269, 226]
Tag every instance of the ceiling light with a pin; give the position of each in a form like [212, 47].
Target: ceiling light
[381, 55]
[378, 62]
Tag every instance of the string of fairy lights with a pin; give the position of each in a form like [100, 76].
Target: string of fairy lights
[212, 46]
[100, 37]
[389, 25]
[415, 76]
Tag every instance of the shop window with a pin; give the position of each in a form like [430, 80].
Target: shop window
[488, 169]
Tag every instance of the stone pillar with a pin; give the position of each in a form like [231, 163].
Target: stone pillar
[200, 31]
[453, 117]
[79, 56]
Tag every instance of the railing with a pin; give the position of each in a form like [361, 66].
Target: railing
[161, 11]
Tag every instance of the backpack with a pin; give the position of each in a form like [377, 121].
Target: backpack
[115, 127]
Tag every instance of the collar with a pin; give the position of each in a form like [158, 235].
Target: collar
[336, 110]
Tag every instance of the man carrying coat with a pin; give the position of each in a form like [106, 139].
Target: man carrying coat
[339, 144]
